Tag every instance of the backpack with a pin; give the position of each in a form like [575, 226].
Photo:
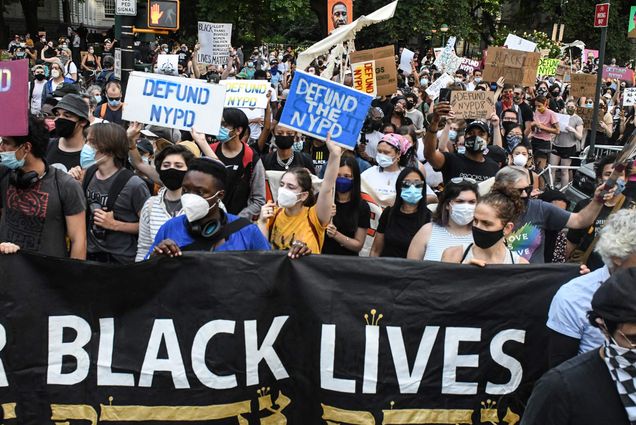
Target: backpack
[115, 189]
[103, 78]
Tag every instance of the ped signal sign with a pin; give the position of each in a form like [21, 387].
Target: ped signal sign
[601, 15]
[163, 14]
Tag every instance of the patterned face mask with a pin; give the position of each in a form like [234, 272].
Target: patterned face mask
[621, 363]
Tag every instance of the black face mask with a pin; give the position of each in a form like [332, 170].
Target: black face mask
[485, 239]
[172, 178]
[64, 128]
[40, 77]
[508, 125]
[284, 142]
[410, 105]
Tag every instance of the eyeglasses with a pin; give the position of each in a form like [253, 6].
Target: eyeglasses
[418, 184]
[458, 180]
[527, 189]
[630, 340]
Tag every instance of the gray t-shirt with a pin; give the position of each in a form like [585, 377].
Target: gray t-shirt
[528, 236]
[417, 117]
[122, 246]
[35, 218]
[567, 139]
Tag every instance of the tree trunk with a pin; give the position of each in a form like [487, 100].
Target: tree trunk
[4, 30]
[30, 11]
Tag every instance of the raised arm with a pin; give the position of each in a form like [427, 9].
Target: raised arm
[431, 152]
[325, 197]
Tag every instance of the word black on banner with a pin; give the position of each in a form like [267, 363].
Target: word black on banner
[319, 340]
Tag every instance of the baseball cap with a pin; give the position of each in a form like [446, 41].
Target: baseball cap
[481, 124]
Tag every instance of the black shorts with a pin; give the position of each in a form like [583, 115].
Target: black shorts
[541, 148]
[564, 153]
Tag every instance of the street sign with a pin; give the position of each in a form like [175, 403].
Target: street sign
[126, 7]
[601, 16]
[163, 14]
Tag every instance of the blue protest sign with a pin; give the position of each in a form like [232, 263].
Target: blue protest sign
[316, 106]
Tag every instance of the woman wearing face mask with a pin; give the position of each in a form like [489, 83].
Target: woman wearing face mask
[566, 143]
[203, 225]
[542, 90]
[556, 101]
[399, 223]
[36, 89]
[70, 69]
[296, 221]
[284, 158]
[544, 127]
[521, 156]
[348, 230]
[171, 165]
[494, 219]
[89, 65]
[452, 222]
[56, 81]
[379, 180]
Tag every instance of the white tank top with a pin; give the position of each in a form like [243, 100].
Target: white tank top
[442, 239]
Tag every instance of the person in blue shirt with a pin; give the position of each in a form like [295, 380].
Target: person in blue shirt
[204, 226]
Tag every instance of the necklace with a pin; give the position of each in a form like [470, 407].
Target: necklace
[285, 164]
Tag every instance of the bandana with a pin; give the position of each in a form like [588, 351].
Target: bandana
[621, 363]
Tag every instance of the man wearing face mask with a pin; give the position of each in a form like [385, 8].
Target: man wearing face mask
[71, 119]
[473, 164]
[519, 99]
[398, 116]
[411, 112]
[40, 206]
[36, 88]
[284, 158]
[557, 104]
[596, 387]
[112, 107]
[371, 135]
[204, 226]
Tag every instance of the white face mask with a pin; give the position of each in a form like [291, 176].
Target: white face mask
[520, 160]
[462, 214]
[196, 207]
[55, 73]
[286, 198]
[383, 160]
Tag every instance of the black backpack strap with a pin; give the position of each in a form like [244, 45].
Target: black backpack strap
[203, 244]
[88, 176]
[466, 253]
[122, 178]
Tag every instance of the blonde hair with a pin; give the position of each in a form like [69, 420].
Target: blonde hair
[616, 239]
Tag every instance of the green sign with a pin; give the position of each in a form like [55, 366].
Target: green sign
[631, 25]
[548, 67]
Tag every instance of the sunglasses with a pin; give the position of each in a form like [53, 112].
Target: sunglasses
[458, 180]
[418, 184]
[527, 189]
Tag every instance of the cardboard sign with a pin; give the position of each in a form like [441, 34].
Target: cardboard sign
[181, 103]
[583, 85]
[517, 43]
[339, 13]
[517, 67]
[317, 106]
[405, 61]
[364, 78]
[472, 104]
[629, 96]
[618, 73]
[168, 64]
[441, 83]
[14, 98]
[564, 122]
[469, 65]
[215, 41]
[548, 67]
[562, 70]
[448, 61]
[586, 115]
[117, 67]
[385, 69]
[245, 93]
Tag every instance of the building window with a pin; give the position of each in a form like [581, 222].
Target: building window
[109, 8]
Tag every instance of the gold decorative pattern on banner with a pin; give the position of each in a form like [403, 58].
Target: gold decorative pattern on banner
[64, 412]
[489, 412]
[511, 417]
[8, 411]
[265, 403]
[374, 321]
[427, 416]
[334, 416]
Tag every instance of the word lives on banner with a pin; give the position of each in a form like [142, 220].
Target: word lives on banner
[229, 338]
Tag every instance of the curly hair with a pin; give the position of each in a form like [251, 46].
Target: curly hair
[506, 201]
[616, 239]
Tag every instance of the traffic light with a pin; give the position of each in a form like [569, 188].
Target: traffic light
[163, 14]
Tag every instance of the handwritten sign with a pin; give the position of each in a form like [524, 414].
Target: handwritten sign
[441, 83]
[245, 93]
[174, 102]
[618, 73]
[548, 67]
[583, 85]
[564, 122]
[516, 66]
[469, 65]
[215, 43]
[364, 78]
[317, 106]
[472, 104]
[448, 61]
[385, 68]
[629, 96]
[586, 115]
[14, 98]
[519, 43]
[168, 64]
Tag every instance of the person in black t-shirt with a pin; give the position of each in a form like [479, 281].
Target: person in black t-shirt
[71, 118]
[399, 223]
[284, 158]
[319, 153]
[348, 230]
[473, 164]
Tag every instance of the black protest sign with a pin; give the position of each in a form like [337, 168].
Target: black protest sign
[259, 339]
[472, 104]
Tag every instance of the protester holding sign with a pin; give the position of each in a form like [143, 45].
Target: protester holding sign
[40, 205]
[566, 142]
[541, 131]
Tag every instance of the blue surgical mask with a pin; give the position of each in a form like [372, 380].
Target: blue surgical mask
[424, 81]
[343, 184]
[114, 103]
[9, 160]
[224, 135]
[461, 150]
[452, 134]
[87, 156]
[98, 99]
[383, 160]
[298, 146]
[411, 195]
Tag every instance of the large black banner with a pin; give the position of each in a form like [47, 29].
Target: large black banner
[243, 338]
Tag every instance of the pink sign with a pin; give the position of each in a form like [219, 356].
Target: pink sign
[14, 98]
[589, 52]
[470, 65]
[618, 73]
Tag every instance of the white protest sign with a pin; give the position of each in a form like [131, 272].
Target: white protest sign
[447, 60]
[564, 122]
[438, 51]
[126, 8]
[117, 68]
[245, 93]
[629, 96]
[405, 61]
[174, 102]
[517, 43]
[168, 64]
[441, 83]
[215, 41]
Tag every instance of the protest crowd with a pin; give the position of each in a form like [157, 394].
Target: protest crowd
[465, 167]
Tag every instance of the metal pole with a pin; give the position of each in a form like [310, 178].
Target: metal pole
[597, 95]
[127, 48]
